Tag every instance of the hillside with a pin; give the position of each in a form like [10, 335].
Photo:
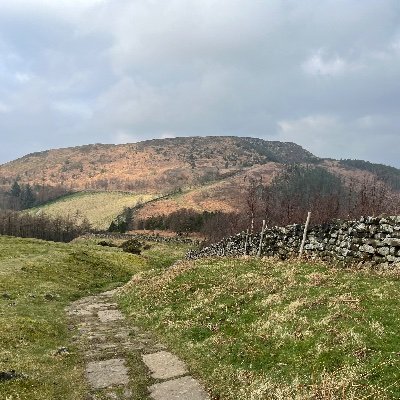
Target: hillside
[148, 166]
[226, 195]
[99, 208]
[203, 173]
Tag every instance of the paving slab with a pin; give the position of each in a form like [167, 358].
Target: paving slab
[109, 315]
[106, 373]
[185, 388]
[164, 365]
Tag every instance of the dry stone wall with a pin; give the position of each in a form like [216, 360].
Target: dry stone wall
[150, 238]
[372, 240]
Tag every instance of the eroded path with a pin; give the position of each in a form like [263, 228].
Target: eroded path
[124, 363]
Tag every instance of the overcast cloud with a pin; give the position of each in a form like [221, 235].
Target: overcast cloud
[322, 73]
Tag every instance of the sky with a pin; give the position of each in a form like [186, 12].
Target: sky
[324, 74]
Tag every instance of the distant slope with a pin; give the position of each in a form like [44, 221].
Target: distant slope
[100, 208]
[150, 165]
[387, 174]
[228, 195]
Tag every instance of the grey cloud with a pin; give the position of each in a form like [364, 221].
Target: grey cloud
[324, 74]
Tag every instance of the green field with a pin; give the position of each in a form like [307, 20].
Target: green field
[38, 279]
[249, 329]
[265, 329]
[100, 208]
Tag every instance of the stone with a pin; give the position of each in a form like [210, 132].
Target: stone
[386, 228]
[345, 252]
[164, 365]
[392, 242]
[185, 388]
[9, 375]
[383, 251]
[360, 227]
[62, 351]
[109, 315]
[106, 373]
[80, 312]
[367, 249]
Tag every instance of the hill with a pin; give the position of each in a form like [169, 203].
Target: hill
[201, 173]
[147, 166]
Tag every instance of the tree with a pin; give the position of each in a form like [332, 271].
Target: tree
[15, 189]
[27, 197]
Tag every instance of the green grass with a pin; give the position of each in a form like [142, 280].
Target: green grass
[100, 208]
[264, 329]
[38, 279]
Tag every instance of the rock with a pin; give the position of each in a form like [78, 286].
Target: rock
[185, 388]
[367, 249]
[9, 375]
[360, 227]
[105, 373]
[164, 365]
[383, 251]
[386, 228]
[392, 242]
[62, 351]
[109, 315]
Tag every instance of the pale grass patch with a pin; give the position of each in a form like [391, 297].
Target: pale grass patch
[317, 278]
[377, 328]
[330, 319]
[276, 323]
[346, 299]
[272, 299]
[378, 293]
[341, 384]
[352, 337]
[155, 283]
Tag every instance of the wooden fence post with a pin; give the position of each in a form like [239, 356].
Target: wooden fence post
[245, 243]
[304, 234]
[261, 239]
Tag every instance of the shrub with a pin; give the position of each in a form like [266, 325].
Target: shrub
[132, 246]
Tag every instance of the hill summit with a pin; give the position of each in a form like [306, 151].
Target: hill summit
[150, 165]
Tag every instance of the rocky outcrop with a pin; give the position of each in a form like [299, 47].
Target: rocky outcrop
[372, 240]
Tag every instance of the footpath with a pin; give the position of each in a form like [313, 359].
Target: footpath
[119, 357]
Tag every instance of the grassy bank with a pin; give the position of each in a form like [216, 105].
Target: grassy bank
[100, 208]
[37, 280]
[265, 329]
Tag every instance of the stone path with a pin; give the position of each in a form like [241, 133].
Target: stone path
[109, 344]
